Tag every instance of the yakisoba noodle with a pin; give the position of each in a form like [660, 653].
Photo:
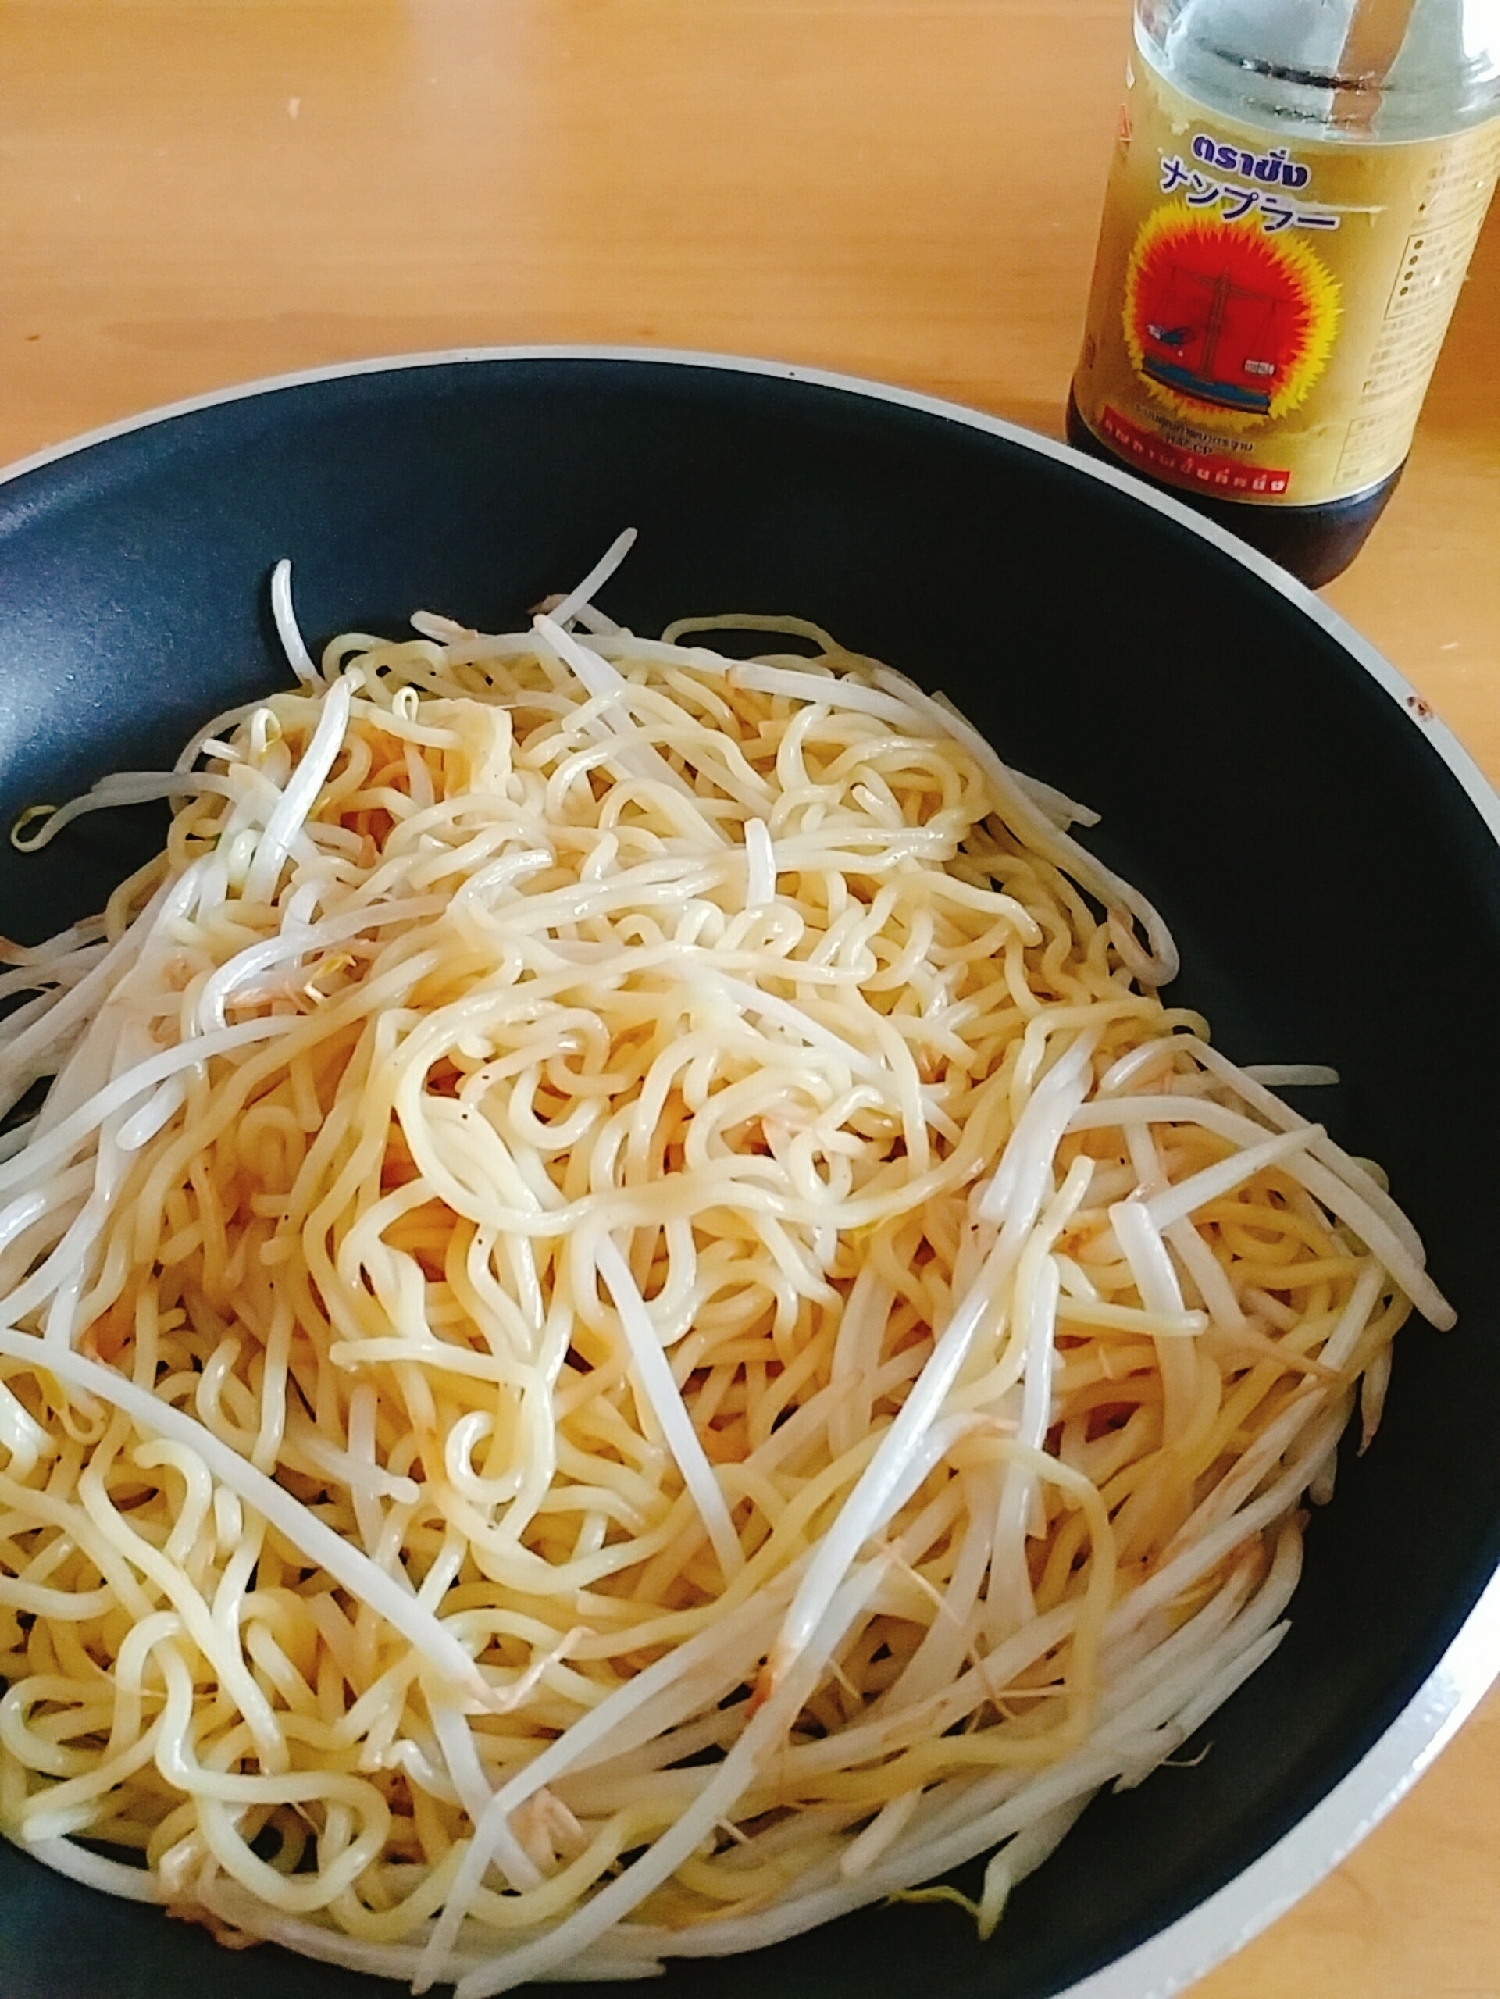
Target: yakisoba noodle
[627, 1324]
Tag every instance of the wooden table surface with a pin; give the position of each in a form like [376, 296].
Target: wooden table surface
[196, 194]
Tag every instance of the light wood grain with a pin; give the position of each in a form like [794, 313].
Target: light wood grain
[195, 194]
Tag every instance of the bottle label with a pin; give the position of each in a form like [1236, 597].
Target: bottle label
[1265, 317]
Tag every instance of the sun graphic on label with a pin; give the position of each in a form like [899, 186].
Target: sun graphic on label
[1228, 326]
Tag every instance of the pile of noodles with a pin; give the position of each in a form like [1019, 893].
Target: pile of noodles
[627, 1324]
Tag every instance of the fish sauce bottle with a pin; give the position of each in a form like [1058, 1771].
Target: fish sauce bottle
[1296, 191]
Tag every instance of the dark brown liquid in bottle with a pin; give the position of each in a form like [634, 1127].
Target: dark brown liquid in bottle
[1314, 543]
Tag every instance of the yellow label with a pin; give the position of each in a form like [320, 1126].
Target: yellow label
[1265, 317]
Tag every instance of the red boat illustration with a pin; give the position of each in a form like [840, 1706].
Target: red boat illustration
[1225, 317]
[1217, 340]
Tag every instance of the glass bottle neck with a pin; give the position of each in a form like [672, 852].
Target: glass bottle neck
[1364, 70]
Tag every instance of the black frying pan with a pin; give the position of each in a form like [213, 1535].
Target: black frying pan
[1327, 859]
